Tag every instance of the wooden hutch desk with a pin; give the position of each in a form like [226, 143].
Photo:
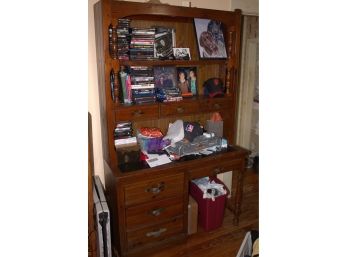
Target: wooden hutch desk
[149, 205]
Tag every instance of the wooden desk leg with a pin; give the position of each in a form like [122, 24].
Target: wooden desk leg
[235, 202]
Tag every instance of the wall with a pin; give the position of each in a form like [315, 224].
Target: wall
[207, 4]
[248, 7]
[93, 95]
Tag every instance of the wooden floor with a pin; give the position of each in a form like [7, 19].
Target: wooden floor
[225, 241]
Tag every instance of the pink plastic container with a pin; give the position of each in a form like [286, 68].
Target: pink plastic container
[210, 213]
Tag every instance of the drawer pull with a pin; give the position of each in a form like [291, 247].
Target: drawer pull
[156, 233]
[217, 106]
[156, 189]
[138, 113]
[156, 212]
[180, 110]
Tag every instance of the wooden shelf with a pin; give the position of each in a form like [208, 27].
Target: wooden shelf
[171, 62]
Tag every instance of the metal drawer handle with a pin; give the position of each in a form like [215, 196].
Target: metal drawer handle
[156, 233]
[138, 113]
[156, 212]
[156, 189]
[180, 110]
[217, 106]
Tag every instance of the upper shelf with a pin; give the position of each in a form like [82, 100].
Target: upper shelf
[129, 9]
[171, 62]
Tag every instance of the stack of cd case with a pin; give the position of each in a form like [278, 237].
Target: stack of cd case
[143, 85]
[142, 44]
[123, 135]
[123, 38]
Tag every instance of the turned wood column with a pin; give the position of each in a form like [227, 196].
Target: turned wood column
[231, 53]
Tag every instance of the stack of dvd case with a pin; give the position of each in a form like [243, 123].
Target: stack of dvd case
[123, 134]
[142, 44]
[143, 85]
[123, 38]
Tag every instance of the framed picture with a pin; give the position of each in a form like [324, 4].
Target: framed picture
[165, 77]
[182, 53]
[187, 81]
[210, 39]
[166, 87]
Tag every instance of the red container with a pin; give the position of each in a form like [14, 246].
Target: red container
[210, 213]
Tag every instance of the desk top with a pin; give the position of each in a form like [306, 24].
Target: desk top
[136, 166]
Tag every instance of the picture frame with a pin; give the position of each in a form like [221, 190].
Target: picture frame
[182, 53]
[166, 84]
[187, 81]
[165, 77]
[210, 39]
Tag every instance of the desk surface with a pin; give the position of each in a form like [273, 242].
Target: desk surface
[137, 166]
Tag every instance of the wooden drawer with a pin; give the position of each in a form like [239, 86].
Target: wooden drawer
[155, 233]
[213, 169]
[154, 212]
[137, 112]
[154, 189]
[216, 104]
[179, 108]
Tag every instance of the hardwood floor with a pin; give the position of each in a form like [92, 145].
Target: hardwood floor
[226, 240]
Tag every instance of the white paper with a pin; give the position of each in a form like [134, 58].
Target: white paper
[158, 160]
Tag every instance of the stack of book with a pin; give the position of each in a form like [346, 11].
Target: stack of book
[123, 38]
[143, 85]
[164, 43]
[123, 135]
[142, 44]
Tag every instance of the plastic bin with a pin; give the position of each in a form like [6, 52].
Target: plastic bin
[210, 213]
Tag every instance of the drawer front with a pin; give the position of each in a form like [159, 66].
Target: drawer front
[137, 112]
[155, 233]
[180, 108]
[154, 212]
[214, 169]
[154, 189]
[216, 104]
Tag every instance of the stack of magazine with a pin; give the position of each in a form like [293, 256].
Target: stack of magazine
[123, 38]
[142, 44]
[142, 84]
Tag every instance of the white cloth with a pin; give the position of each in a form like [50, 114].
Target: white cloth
[175, 132]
